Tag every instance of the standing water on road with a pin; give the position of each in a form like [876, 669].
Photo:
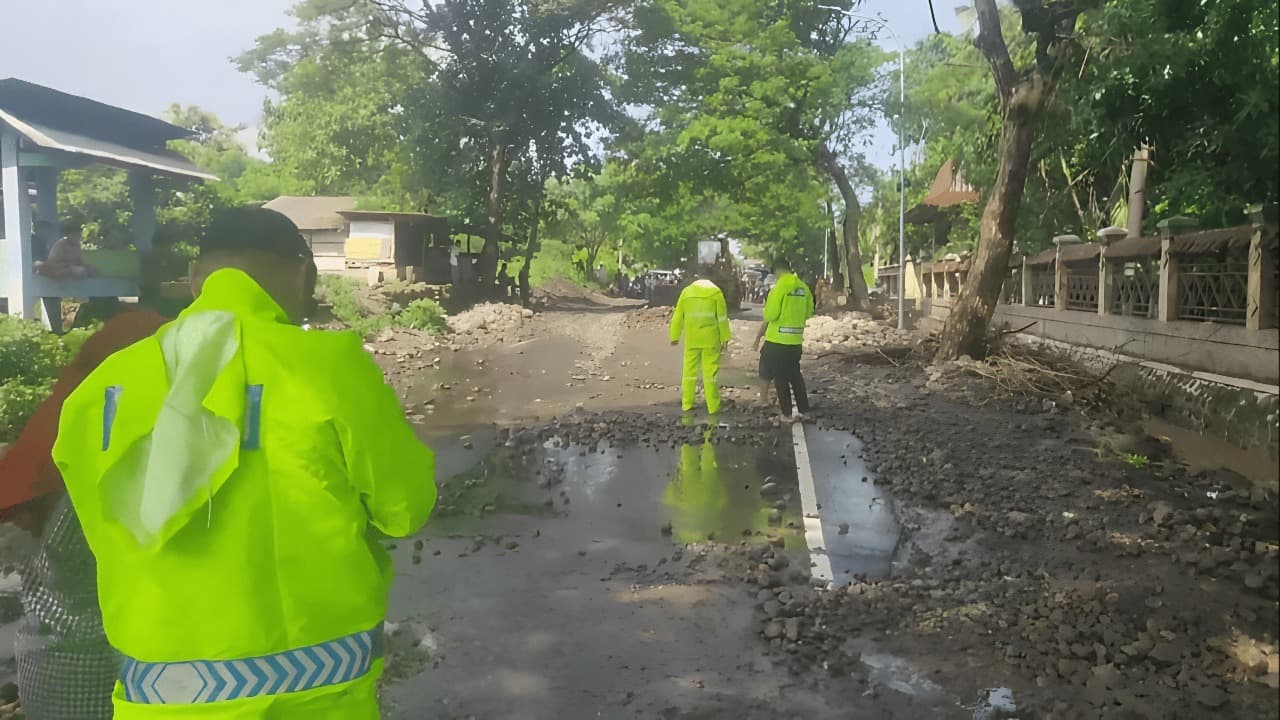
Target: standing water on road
[859, 526]
[562, 580]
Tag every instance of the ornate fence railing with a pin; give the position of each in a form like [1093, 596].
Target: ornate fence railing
[1216, 290]
[1082, 288]
[1136, 290]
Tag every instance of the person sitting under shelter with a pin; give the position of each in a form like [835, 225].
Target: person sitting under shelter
[66, 259]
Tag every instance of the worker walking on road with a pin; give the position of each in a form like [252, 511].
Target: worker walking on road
[702, 318]
[787, 309]
[231, 474]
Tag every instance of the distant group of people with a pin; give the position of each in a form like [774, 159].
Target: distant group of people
[701, 319]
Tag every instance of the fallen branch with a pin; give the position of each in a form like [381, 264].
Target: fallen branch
[1014, 332]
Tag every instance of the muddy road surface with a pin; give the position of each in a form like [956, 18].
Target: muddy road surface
[925, 547]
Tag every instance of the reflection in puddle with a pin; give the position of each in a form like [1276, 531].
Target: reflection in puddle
[716, 492]
[860, 528]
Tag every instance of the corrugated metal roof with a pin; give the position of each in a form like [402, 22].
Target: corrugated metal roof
[79, 115]
[55, 120]
[314, 213]
[1134, 247]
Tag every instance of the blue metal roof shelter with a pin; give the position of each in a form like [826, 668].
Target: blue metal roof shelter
[44, 131]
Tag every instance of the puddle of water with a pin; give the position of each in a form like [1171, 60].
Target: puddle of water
[897, 674]
[701, 490]
[996, 704]
[859, 525]
[1206, 452]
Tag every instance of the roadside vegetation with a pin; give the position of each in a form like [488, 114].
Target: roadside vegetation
[30, 360]
[368, 318]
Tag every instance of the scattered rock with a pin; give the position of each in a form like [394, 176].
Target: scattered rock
[1211, 697]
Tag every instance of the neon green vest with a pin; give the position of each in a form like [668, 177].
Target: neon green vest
[230, 473]
[788, 307]
[702, 316]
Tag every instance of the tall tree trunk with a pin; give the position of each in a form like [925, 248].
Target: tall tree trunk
[833, 254]
[854, 279]
[965, 332]
[1022, 101]
[530, 249]
[488, 265]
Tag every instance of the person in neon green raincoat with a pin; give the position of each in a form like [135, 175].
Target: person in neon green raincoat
[232, 473]
[702, 318]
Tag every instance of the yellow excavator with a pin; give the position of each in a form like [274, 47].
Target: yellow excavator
[724, 273]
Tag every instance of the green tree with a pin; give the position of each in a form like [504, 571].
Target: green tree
[468, 103]
[1023, 96]
[765, 104]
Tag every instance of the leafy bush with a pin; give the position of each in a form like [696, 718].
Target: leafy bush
[424, 314]
[18, 402]
[30, 360]
[340, 293]
[28, 353]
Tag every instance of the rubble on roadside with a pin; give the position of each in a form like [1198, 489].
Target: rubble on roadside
[848, 331]
[489, 323]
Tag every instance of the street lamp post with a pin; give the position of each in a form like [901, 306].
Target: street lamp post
[902, 158]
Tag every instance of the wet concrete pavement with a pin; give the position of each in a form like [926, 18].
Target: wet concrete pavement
[568, 611]
[562, 581]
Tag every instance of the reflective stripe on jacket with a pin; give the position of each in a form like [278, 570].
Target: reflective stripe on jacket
[789, 306]
[702, 316]
[230, 473]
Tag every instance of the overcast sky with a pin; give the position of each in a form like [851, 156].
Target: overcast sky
[146, 54]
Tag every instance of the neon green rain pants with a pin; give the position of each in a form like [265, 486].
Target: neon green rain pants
[708, 361]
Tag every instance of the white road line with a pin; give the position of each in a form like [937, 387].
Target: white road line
[821, 564]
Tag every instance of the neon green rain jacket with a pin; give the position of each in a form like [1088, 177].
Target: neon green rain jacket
[788, 307]
[702, 316]
[230, 473]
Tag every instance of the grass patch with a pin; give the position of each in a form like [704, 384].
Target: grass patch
[1136, 460]
[366, 318]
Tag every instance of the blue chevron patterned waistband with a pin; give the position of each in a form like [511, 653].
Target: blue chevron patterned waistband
[206, 681]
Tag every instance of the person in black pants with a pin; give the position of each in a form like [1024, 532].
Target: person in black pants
[788, 308]
[782, 364]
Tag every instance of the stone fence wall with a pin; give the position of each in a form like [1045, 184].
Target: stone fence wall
[1202, 301]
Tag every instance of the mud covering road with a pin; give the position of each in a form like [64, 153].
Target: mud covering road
[594, 556]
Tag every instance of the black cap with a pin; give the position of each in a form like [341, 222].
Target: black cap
[254, 229]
